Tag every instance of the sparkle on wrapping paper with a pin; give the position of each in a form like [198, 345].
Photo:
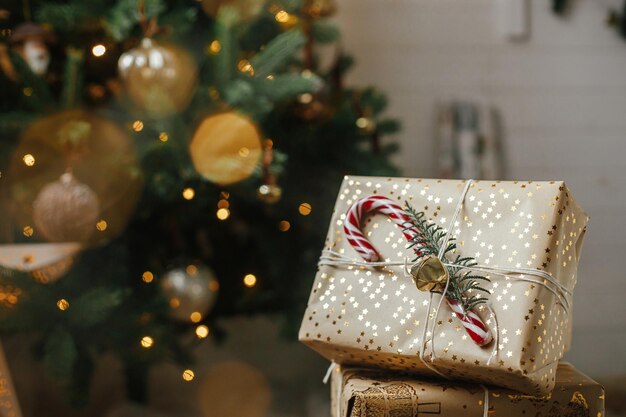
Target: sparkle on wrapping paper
[188, 375]
[202, 331]
[147, 342]
[29, 160]
[98, 50]
[147, 277]
[249, 280]
[195, 317]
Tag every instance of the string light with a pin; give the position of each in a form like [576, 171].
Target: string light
[223, 204]
[98, 50]
[28, 231]
[191, 269]
[202, 331]
[147, 277]
[249, 280]
[215, 47]
[147, 342]
[101, 225]
[63, 304]
[29, 160]
[137, 125]
[27, 91]
[245, 66]
[189, 193]
[195, 317]
[163, 137]
[282, 16]
[188, 375]
[223, 213]
[305, 209]
[174, 302]
[284, 225]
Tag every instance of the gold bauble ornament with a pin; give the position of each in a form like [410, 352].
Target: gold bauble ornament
[159, 78]
[101, 156]
[46, 262]
[190, 290]
[269, 193]
[430, 274]
[226, 148]
[66, 210]
[234, 385]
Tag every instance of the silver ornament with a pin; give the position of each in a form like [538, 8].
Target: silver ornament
[66, 210]
[190, 290]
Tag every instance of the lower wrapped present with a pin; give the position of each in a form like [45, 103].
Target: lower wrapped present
[360, 392]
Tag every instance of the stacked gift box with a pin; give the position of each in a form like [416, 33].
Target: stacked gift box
[450, 297]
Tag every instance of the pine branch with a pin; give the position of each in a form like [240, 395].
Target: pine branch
[427, 241]
[277, 52]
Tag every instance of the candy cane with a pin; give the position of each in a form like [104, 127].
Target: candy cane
[473, 324]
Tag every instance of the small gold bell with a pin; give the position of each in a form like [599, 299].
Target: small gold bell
[430, 274]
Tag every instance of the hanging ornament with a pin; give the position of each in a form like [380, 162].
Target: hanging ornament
[269, 192]
[101, 157]
[66, 210]
[159, 78]
[46, 262]
[190, 290]
[319, 8]
[31, 42]
[226, 148]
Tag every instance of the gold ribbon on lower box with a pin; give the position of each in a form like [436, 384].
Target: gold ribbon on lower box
[360, 392]
[9, 406]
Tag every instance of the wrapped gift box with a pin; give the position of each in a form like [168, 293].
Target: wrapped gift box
[375, 316]
[357, 392]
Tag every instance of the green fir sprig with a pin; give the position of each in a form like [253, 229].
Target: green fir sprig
[464, 287]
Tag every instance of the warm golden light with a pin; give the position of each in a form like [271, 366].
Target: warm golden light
[214, 285]
[29, 160]
[282, 16]
[163, 137]
[202, 331]
[195, 317]
[188, 375]
[137, 125]
[249, 280]
[98, 50]
[244, 152]
[28, 91]
[101, 225]
[28, 231]
[191, 269]
[215, 47]
[305, 98]
[223, 204]
[189, 193]
[147, 277]
[174, 302]
[284, 225]
[223, 213]
[147, 342]
[63, 304]
[305, 209]
[245, 66]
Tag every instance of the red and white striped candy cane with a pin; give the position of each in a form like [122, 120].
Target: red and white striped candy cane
[473, 324]
[352, 225]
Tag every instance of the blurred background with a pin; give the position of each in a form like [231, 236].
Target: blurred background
[173, 280]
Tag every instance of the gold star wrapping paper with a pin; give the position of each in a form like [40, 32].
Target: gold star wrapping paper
[376, 317]
[370, 393]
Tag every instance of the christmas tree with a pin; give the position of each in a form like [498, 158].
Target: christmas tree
[166, 164]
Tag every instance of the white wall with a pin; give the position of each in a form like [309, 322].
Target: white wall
[563, 98]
